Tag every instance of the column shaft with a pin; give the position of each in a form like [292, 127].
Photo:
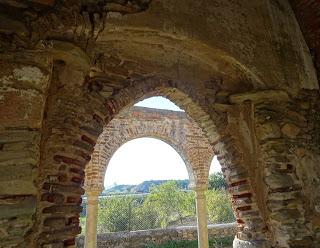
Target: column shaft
[203, 241]
[91, 219]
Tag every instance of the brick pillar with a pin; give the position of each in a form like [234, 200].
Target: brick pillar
[202, 221]
[72, 124]
[92, 217]
[250, 223]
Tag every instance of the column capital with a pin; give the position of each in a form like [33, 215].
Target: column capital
[89, 191]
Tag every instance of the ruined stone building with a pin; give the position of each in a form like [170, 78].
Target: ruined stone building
[174, 128]
[244, 71]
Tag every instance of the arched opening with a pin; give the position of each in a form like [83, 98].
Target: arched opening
[139, 193]
[176, 128]
[59, 87]
[144, 159]
[202, 115]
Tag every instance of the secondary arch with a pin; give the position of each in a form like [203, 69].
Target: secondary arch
[174, 128]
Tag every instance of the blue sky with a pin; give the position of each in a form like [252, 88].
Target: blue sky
[158, 102]
[148, 158]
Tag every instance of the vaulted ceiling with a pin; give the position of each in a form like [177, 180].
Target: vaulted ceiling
[306, 11]
[308, 16]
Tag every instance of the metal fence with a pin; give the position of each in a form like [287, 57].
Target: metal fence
[133, 212]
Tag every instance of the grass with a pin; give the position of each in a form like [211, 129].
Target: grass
[213, 243]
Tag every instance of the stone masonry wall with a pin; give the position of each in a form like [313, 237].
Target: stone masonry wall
[138, 239]
[288, 135]
[24, 81]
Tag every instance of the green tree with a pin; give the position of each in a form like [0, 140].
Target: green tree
[217, 181]
[166, 203]
[144, 217]
[114, 214]
[170, 202]
[219, 206]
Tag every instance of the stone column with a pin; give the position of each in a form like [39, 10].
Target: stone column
[202, 221]
[91, 218]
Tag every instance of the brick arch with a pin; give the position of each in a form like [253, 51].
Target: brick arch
[174, 128]
[69, 137]
[252, 228]
[183, 97]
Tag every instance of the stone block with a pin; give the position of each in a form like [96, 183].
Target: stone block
[237, 243]
[286, 216]
[14, 136]
[13, 207]
[17, 179]
[18, 158]
[268, 130]
[55, 223]
[290, 130]
[260, 96]
[278, 180]
[21, 108]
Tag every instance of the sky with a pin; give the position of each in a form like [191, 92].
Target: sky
[148, 158]
[158, 102]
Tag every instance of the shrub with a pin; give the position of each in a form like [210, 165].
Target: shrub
[219, 206]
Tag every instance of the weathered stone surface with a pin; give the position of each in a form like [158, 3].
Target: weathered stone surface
[27, 105]
[67, 52]
[237, 243]
[17, 179]
[8, 24]
[285, 175]
[138, 239]
[268, 130]
[224, 52]
[22, 89]
[260, 96]
[279, 181]
[290, 130]
[15, 206]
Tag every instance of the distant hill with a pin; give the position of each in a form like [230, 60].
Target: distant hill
[143, 187]
[119, 189]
